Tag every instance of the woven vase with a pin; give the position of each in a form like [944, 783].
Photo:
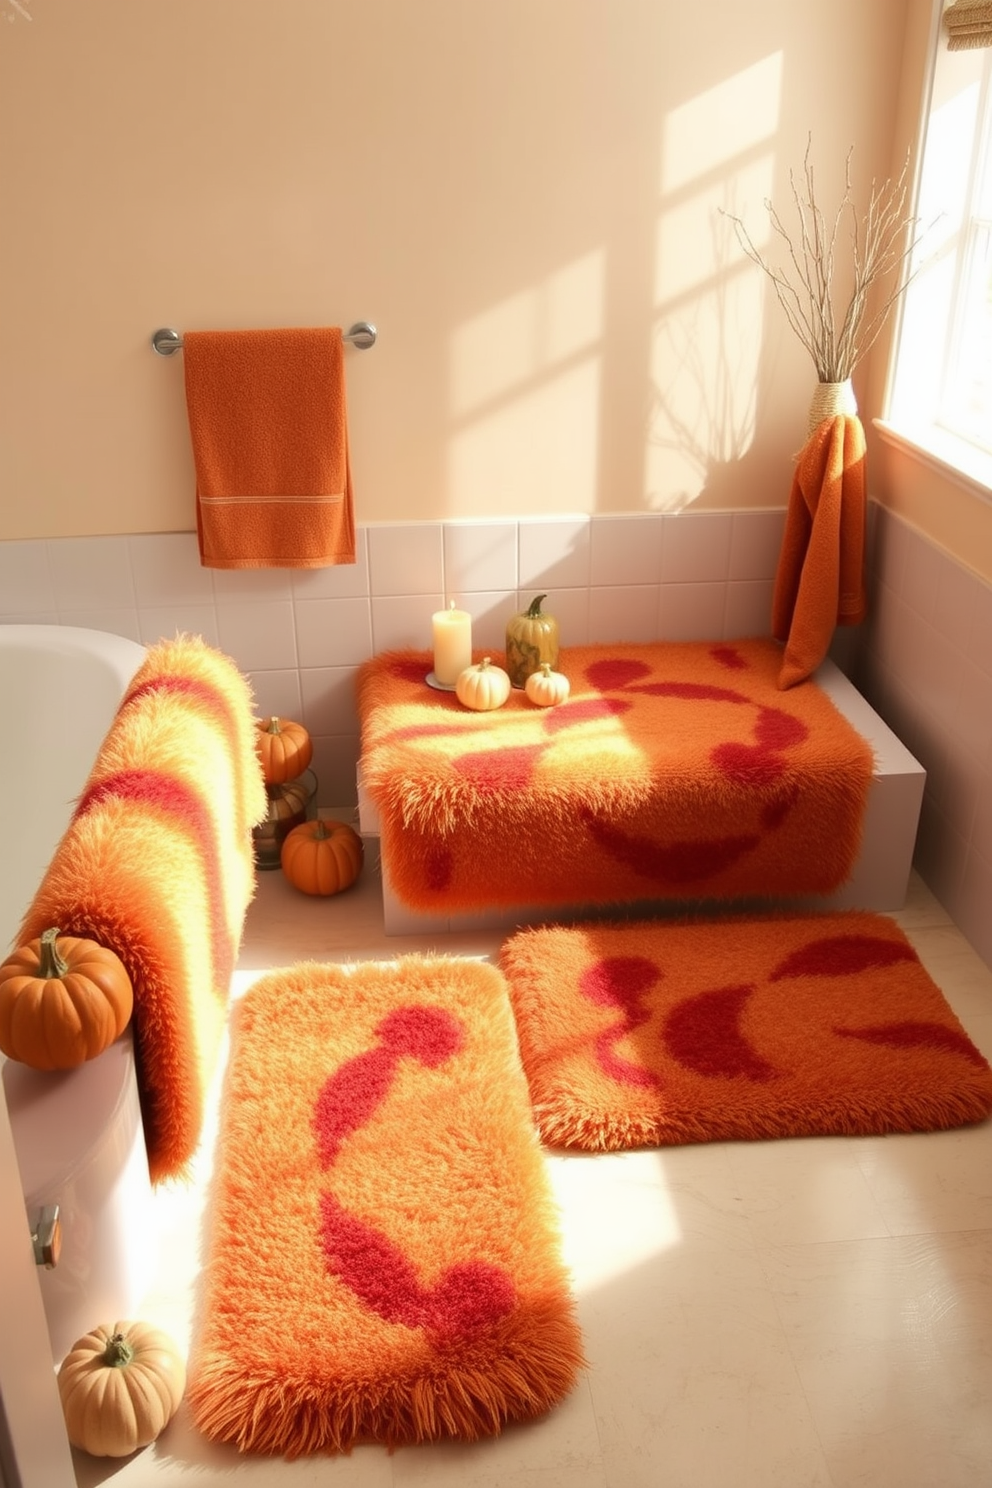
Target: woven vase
[830, 399]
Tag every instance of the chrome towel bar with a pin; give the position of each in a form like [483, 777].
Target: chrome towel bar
[361, 334]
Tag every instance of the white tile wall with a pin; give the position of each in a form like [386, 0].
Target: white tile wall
[925, 664]
[923, 659]
[299, 635]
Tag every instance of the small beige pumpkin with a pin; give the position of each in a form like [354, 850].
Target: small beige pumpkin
[547, 687]
[483, 686]
[120, 1386]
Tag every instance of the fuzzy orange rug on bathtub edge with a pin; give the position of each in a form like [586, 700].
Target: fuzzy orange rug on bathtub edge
[654, 1033]
[383, 1259]
[158, 865]
[675, 770]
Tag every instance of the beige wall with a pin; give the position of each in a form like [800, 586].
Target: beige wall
[522, 194]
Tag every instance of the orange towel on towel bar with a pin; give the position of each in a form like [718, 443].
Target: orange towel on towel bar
[819, 583]
[268, 424]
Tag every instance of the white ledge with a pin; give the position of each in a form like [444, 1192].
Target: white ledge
[954, 458]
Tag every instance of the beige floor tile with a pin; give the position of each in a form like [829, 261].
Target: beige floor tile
[892, 1342]
[940, 1184]
[796, 1314]
[808, 1189]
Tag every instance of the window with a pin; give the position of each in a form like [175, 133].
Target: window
[940, 396]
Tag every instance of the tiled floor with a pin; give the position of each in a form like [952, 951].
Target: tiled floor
[795, 1314]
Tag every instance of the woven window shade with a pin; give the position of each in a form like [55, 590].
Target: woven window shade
[968, 24]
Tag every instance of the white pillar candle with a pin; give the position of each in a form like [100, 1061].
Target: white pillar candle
[452, 644]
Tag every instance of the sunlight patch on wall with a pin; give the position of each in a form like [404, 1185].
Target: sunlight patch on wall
[527, 334]
[524, 385]
[538, 451]
[717, 157]
[743, 109]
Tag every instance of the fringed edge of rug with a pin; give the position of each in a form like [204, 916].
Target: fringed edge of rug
[274, 1415]
[589, 1132]
[443, 805]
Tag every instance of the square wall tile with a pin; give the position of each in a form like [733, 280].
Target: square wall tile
[692, 612]
[748, 609]
[26, 587]
[921, 574]
[479, 556]
[167, 570]
[92, 571]
[399, 622]
[406, 558]
[973, 714]
[629, 613]
[247, 584]
[116, 622]
[333, 632]
[887, 555]
[696, 547]
[276, 693]
[24, 617]
[329, 700]
[336, 580]
[490, 613]
[625, 550]
[554, 554]
[166, 621]
[955, 603]
[259, 636]
[571, 609]
[755, 544]
[980, 643]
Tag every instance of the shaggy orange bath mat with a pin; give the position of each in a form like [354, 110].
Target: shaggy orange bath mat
[383, 1260]
[652, 1034]
[674, 771]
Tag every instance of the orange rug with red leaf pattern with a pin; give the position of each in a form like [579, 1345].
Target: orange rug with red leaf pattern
[383, 1261]
[675, 770]
[651, 1034]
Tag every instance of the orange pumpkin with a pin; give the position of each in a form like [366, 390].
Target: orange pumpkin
[63, 1000]
[284, 748]
[322, 857]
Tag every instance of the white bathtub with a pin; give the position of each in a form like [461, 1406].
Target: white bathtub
[60, 687]
[78, 1135]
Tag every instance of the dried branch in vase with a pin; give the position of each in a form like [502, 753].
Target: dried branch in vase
[881, 244]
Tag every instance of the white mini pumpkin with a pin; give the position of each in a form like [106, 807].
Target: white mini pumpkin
[120, 1386]
[547, 687]
[483, 686]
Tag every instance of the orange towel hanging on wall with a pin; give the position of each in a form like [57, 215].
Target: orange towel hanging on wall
[268, 425]
[819, 583]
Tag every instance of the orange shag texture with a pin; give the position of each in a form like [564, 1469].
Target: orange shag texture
[383, 1258]
[676, 770]
[158, 864]
[653, 1034]
[819, 583]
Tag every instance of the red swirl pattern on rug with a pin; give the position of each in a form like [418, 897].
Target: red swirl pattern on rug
[383, 1262]
[673, 770]
[468, 1296]
[736, 1028]
[621, 981]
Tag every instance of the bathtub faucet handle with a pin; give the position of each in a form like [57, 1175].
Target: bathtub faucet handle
[46, 1237]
